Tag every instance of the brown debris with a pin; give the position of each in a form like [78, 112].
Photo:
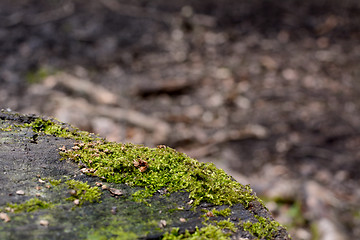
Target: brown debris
[4, 217]
[81, 86]
[168, 86]
[141, 164]
[63, 148]
[115, 191]
[210, 214]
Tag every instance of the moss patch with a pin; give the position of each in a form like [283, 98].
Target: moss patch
[264, 228]
[151, 168]
[226, 224]
[138, 172]
[112, 232]
[83, 192]
[159, 168]
[50, 127]
[30, 205]
[208, 232]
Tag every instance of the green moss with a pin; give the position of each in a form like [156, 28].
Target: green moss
[209, 213]
[38, 75]
[111, 233]
[54, 182]
[50, 127]
[83, 192]
[207, 232]
[30, 205]
[163, 168]
[6, 129]
[226, 224]
[225, 212]
[264, 228]
[153, 169]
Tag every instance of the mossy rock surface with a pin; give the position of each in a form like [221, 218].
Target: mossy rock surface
[60, 183]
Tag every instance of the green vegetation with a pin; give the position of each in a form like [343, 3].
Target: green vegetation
[111, 233]
[225, 212]
[49, 127]
[208, 232]
[152, 169]
[159, 168]
[226, 224]
[83, 192]
[30, 205]
[6, 129]
[38, 75]
[211, 213]
[264, 228]
[295, 213]
[54, 182]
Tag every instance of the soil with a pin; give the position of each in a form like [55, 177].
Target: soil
[267, 90]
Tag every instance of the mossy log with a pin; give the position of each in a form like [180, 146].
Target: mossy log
[61, 183]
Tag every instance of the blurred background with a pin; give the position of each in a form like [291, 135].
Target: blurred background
[269, 91]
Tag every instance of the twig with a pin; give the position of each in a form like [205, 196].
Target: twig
[81, 87]
[56, 14]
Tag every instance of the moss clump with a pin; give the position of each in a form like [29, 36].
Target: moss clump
[30, 205]
[111, 233]
[151, 168]
[159, 168]
[83, 192]
[54, 182]
[211, 213]
[264, 228]
[6, 129]
[226, 224]
[50, 127]
[208, 232]
[225, 212]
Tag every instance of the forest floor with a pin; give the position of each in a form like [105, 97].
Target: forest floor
[267, 90]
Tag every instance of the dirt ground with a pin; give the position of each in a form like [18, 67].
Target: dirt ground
[267, 90]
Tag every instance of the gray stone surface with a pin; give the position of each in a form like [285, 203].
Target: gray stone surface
[30, 161]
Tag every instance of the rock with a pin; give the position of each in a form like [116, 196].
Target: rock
[150, 205]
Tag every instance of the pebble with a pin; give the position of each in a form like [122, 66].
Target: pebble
[44, 223]
[162, 223]
[20, 192]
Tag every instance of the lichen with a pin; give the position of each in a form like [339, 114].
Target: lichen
[31, 205]
[83, 192]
